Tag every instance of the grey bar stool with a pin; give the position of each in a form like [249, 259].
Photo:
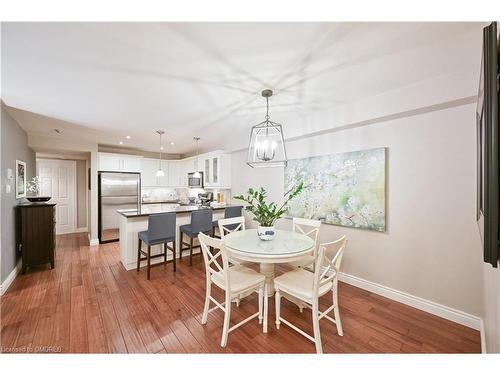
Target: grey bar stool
[161, 230]
[228, 213]
[201, 222]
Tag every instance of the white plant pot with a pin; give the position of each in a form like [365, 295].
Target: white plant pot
[266, 233]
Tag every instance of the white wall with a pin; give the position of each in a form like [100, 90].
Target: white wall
[431, 248]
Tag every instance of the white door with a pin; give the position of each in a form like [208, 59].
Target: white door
[58, 180]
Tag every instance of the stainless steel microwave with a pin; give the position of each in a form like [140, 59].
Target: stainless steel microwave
[195, 182]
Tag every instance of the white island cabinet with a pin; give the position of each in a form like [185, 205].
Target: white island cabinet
[132, 222]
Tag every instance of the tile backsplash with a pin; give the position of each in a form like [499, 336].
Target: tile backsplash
[156, 194]
[161, 194]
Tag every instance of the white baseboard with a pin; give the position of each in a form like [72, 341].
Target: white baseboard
[8, 281]
[483, 338]
[434, 308]
[81, 230]
[94, 242]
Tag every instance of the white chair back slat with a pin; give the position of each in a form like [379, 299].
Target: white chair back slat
[215, 260]
[309, 228]
[226, 225]
[328, 262]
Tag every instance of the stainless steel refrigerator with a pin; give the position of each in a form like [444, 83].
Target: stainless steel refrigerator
[117, 191]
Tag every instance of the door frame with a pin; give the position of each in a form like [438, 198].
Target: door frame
[75, 189]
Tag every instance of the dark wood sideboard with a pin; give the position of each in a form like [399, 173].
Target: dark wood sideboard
[35, 233]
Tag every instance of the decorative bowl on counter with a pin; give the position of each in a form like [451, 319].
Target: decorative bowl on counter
[38, 199]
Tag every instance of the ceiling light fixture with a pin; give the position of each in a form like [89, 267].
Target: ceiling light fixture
[121, 142]
[267, 145]
[197, 173]
[159, 172]
[128, 136]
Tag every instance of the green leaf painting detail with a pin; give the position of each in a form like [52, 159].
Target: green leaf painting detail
[346, 189]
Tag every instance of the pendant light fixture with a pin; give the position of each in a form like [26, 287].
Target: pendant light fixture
[159, 172]
[197, 173]
[267, 145]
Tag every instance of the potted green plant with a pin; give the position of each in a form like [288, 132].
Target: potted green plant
[264, 213]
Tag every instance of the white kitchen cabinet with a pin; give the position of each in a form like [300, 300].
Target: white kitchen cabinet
[185, 169]
[148, 173]
[163, 181]
[189, 166]
[175, 173]
[131, 163]
[211, 173]
[109, 163]
[119, 163]
[217, 170]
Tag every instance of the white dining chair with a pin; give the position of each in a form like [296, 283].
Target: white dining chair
[307, 287]
[233, 281]
[231, 225]
[227, 226]
[309, 228]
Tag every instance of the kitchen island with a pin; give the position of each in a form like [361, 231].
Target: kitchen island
[136, 220]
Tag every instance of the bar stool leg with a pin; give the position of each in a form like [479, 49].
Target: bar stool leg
[190, 251]
[180, 246]
[165, 255]
[139, 255]
[173, 251]
[149, 260]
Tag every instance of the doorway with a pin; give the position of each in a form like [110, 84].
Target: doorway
[58, 180]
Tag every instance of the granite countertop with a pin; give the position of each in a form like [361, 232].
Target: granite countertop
[164, 201]
[146, 210]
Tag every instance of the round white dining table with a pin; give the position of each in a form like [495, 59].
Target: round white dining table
[286, 247]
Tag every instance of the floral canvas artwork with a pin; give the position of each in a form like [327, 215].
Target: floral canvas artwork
[345, 189]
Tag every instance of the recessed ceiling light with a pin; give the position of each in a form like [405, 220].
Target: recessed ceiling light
[128, 137]
[121, 142]
[161, 148]
[172, 143]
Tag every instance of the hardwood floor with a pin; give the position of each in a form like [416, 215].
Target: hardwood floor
[90, 303]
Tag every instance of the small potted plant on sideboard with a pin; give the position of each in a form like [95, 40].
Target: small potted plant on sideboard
[34, 188]
[264, 213]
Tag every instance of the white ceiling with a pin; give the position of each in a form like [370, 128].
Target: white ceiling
[103, 81]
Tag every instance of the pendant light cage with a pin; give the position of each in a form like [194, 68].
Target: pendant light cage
[267, 144]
